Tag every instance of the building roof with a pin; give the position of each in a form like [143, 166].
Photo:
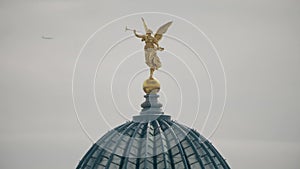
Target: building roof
[160, 143]
[152, 141]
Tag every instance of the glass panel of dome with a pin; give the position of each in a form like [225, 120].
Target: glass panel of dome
[188, 151]
[129, 165]
[220, 166]
[179, 165]
[96, 153]
[192, 159]
[209, 166]
[195, 165]
[216, 160]
[175, 151]
[113, 166]
[101, 167]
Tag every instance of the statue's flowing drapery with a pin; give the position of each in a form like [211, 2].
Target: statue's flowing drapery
[151, 58]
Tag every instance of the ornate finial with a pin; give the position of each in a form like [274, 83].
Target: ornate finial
[152, 85]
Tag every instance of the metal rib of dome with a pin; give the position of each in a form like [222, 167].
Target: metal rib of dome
[152, 141]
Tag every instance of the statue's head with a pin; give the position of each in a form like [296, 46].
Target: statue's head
[149, 31]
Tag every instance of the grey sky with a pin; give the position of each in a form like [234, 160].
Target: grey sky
[258, 42]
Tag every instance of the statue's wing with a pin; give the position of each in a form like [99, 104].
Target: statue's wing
[163, 29]
[145, 25]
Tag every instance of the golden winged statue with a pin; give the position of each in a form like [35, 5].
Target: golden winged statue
[151, 45]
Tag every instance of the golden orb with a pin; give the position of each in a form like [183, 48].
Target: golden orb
[151, 85]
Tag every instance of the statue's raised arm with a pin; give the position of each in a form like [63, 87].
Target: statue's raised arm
[139, 36]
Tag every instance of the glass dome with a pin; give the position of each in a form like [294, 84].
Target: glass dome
[152, 141]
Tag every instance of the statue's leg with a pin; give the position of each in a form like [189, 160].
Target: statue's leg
[151, 72]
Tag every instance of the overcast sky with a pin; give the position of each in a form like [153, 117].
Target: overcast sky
[258, 42]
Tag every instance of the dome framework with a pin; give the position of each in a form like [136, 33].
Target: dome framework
[152, 141]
